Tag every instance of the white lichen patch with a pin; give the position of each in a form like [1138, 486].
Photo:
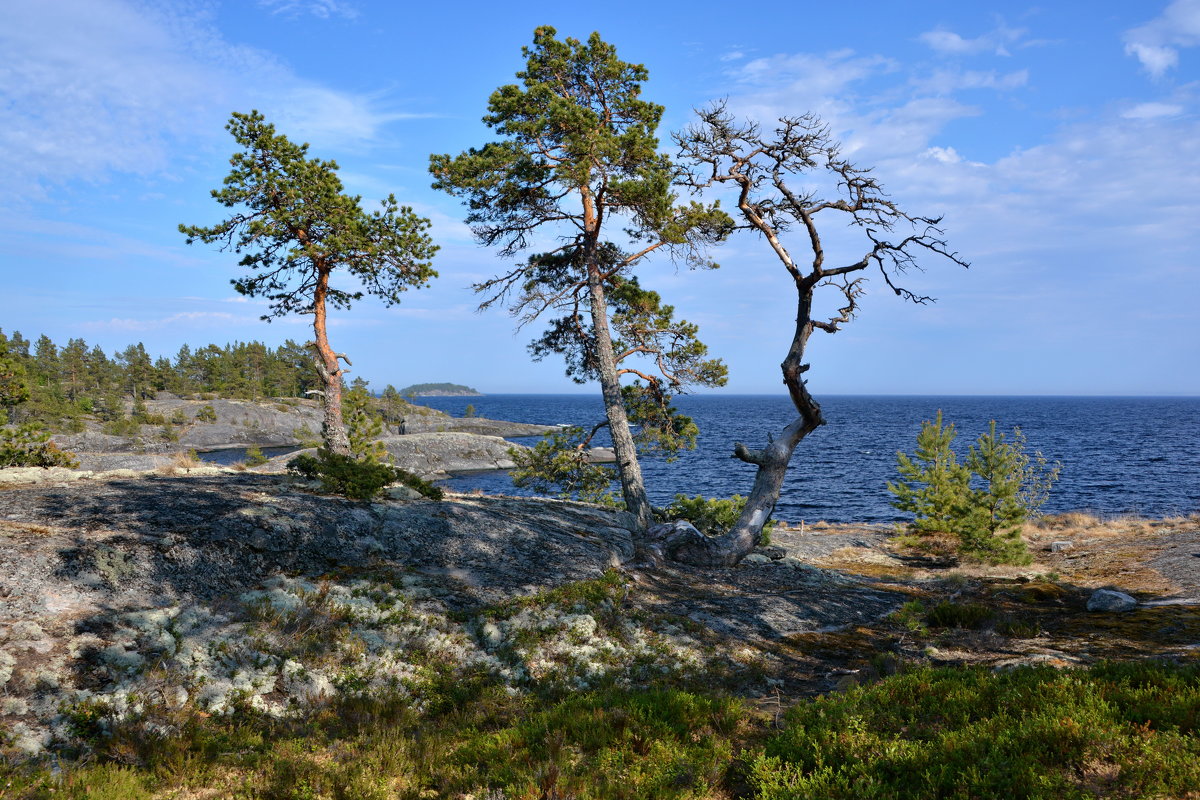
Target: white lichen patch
[581, 647]
[297, 643]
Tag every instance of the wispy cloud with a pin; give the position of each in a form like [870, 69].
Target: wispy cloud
[1156, 43]
[191, 318]
[96, 87]
[1152, 111]
[321, 9]
[945, 81]
[996, 41]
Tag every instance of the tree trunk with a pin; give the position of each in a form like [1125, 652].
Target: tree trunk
[632, 486]
[682, 542]
[333, 430]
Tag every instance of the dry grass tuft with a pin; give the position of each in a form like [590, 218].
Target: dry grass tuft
[181, 462]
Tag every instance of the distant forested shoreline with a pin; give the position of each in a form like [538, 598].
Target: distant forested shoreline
[71, 382]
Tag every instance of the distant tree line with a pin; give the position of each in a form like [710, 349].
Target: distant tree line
[71, 381]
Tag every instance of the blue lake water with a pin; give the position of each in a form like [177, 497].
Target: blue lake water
[1119, 455]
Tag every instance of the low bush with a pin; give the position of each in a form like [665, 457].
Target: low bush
[357, 480]
[960, 615]
[711, 516]
[28, 446]
[1115, 730]
[122, 426]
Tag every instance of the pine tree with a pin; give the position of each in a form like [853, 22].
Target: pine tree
[577, 155]
[296, 227]
[363, 425]
[990, 528]
[932, 485]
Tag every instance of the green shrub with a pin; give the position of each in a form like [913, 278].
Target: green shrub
[306, 437]
[255, 457]
[28, 446]
[558, 465]
[960, 615]
[206, 414]
[122, 426]
[178, 417]
[983, 501]
[711, 516]
[357, 480]
[1115, 730]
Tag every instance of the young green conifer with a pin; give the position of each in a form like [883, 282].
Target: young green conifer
[933, 486]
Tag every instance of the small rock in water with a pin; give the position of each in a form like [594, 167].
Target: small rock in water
[1058, 547]
[1110, 600]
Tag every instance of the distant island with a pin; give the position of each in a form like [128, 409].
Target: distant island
[439, 390]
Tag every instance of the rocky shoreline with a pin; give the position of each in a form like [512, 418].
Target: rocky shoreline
[424, 441]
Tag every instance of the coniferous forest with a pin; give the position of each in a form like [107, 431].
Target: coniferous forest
[67, 382]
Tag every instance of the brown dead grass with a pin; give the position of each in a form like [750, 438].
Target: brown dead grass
[13, 527]
[1078, 523]
[180, 464]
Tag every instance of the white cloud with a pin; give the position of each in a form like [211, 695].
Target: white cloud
[95, 87]
[946, 155]
[1152, 111]
[1156, 43]
[948, 42]
[330, 118]
[196, 317]
[322, 9]
[947, 81]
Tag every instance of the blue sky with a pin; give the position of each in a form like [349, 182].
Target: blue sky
[1059, 140]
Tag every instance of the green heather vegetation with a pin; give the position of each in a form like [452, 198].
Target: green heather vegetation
[1111, 730]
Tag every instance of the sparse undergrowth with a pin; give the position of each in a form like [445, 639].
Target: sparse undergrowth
[1119, 730]
[357, 479]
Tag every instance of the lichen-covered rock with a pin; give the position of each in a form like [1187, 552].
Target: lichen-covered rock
[1111, 601]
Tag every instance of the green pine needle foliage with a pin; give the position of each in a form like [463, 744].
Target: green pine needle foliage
[558, 466]
[357, 479]
[983, 501]
[28, 446]
[712, 516]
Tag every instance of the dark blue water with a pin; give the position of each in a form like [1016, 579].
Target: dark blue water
[1119, 455]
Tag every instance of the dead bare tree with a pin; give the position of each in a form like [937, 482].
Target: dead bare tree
[717, 151]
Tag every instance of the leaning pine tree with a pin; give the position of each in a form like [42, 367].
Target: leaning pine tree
[296, 227]
[785, 182]
[577, 158]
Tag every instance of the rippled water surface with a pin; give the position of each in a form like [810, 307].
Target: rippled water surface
[1138, 455]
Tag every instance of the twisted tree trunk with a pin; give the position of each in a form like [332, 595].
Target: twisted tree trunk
[681, 541]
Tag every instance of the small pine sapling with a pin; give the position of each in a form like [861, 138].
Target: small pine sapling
[932, 486]
[990, 526]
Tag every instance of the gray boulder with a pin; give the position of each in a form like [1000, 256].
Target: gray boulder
[1110, 600]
